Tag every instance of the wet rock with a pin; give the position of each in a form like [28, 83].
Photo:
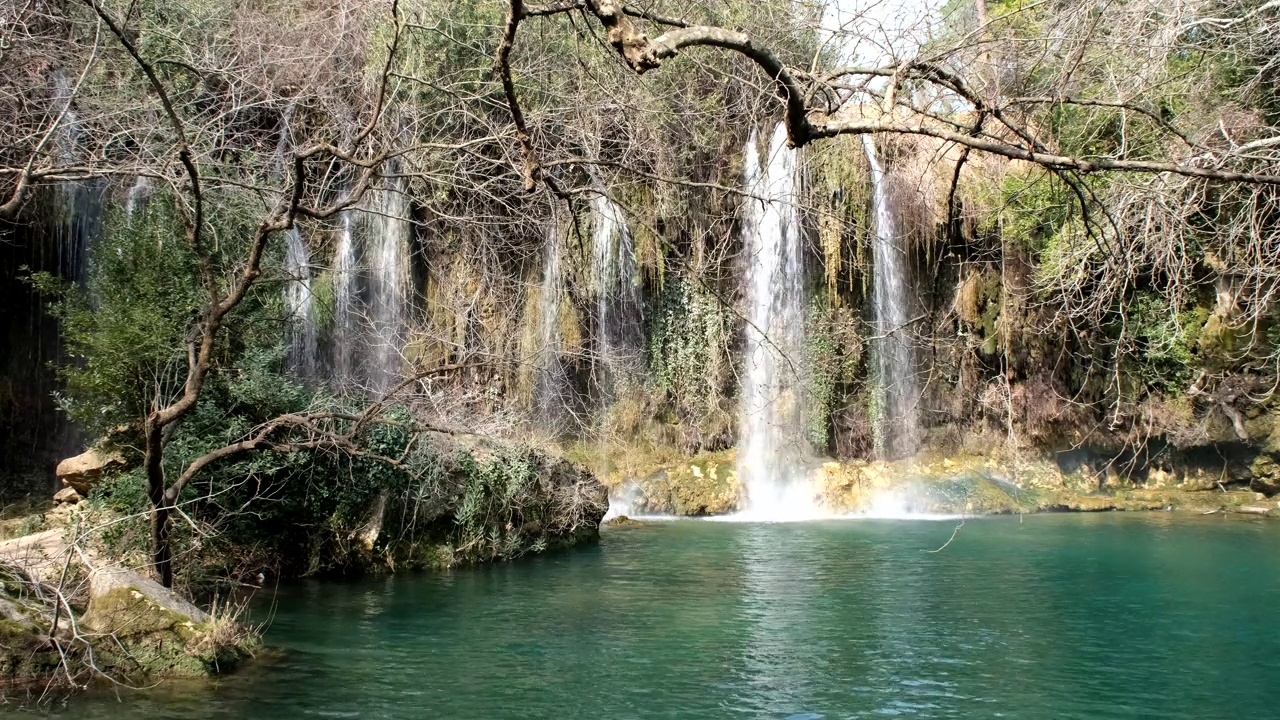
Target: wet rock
[705, 485]
[622, 521]
[83, 471]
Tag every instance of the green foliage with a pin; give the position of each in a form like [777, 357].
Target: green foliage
[500, 496]
[833, 352]
[1163, 358]
[689, 336]
[1037, 213]
[126, 332]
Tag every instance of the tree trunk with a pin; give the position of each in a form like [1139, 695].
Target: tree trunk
[161, 565]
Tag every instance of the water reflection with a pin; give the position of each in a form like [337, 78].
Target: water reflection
[1098, 617]
[782, 650]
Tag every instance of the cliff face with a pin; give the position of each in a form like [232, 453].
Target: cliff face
[51, 235]
[616, 312]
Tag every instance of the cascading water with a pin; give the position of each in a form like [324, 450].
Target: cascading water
[78, 204]
[618, 302]
[389, 230]
[297, 268]
[136, 198]
[772, 443]
[302, 329]
[54, 233]
[895, 392]
[550, 381]
[346, 301]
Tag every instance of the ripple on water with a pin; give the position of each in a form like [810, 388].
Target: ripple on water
[1053, 617]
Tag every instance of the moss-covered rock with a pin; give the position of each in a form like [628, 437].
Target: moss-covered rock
[955, 485]
[962, 485]
[26, 654]
[156, 633]
[1266, 473]
[706, 484]
[623, 521]
[977, 304]
[487, 500]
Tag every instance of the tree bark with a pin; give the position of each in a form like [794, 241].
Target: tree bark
[161, 554]
[153, 465]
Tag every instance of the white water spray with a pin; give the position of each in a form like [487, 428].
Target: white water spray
[302, 330]
[618, 302]
[389, 234]
[772, 443]
[346, 302]
[895, 391]
[550, 389]
[136, 198]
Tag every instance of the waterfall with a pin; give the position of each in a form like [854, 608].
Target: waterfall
[618, 302]
[302, 330]
[78, 205]
[895, 392]
[772, 443]
[301, 353]
[550, 382]
[346, 302]
[389, 234]
[136, 198]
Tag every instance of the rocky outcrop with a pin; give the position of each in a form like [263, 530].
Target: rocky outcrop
[26, 652]
[83, 471]
[1265, 469]
[706, 484]
[122, 625]
[957, 485]
[156, 633]
[66, 496]
[488, 500]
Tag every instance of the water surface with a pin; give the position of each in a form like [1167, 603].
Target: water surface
[1067, 616]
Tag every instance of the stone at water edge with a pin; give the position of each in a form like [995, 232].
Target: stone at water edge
[156, 633]
[83, 471]
[622, 521]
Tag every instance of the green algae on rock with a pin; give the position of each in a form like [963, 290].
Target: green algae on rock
[968, 484]
[706, 484]
[156, 633]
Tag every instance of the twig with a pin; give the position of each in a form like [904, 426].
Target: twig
[948, 542]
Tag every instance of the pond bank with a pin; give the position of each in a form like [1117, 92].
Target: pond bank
[76, 611]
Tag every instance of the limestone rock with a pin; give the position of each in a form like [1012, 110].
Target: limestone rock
[83, 471]
[705, 485]
[124, 602]
[157, 634]
[1199, 478]
[66, 496]
[622, 521]
[26, 655]
[1266, 474]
